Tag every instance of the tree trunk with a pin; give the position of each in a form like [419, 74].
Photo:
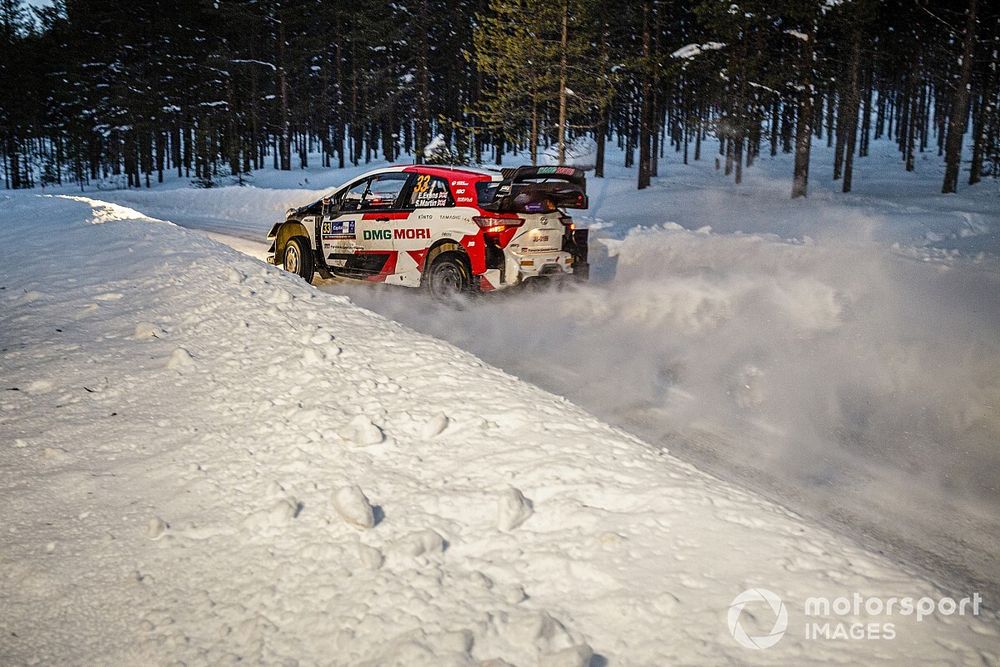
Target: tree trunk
[286, 147]
[697, 138]
[841, 138]
[601, 137]
[850, 110]
[738, 159]
[339, 128]
[775, 108]
[866, 115]
[803, 130]
[960, 106]
[646, 110]
[975, 166]
[562, 82]
[985, 116]
[533, 147]
[423, 88]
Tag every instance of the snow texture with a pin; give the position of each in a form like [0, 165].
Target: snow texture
[353, 507]
[513, 509]
[190, 514]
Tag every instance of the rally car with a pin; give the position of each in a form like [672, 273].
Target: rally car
[446, 229]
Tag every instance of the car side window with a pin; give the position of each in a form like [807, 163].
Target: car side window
[351, 198]
[374, 194]
[383, 191]
[430, 192]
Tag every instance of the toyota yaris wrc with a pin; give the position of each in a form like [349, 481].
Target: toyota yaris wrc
[448, 230]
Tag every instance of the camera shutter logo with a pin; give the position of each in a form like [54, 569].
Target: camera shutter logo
[772, 601]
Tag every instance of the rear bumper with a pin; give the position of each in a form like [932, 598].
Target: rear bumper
[570, 261]
[529, 266]
[537, 264]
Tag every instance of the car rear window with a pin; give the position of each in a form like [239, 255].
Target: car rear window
[486, 191]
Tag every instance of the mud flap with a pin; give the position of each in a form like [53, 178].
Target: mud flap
[580, 250]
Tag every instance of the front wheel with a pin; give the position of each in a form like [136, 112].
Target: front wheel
[298, 258]
[448, 278]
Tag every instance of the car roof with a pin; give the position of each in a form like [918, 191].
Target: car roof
[446, 172]
[450, 172]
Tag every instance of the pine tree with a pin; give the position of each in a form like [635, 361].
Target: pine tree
[535, 56]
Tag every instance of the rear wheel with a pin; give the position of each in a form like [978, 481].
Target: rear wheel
[298, 258]
[448, 278]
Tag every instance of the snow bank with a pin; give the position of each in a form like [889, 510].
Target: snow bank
[247, 212]
[210, 512]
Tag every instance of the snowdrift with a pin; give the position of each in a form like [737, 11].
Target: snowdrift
[206, 460]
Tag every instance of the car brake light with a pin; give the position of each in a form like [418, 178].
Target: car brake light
[495, 223]
[498, 229]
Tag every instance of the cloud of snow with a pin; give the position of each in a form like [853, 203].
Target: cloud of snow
[834, 371]
[580, 152]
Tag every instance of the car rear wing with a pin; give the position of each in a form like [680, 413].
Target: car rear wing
[536, 189]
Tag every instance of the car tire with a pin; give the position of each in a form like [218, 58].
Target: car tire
[298, 258]
[448, 278]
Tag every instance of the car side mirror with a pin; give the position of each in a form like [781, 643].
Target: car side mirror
[326, 208]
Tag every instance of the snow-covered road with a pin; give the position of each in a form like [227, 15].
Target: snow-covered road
[206, 460]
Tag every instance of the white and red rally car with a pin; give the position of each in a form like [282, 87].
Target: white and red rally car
[448, 229]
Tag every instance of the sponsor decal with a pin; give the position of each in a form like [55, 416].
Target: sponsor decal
[463, 199]
[460, 183]
[563, 171]
[338, 228]
[412, 234]
[378, 235]
[389, 234]
[431, 199]
[423, 183]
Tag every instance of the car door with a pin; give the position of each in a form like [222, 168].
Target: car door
[357, 234]
[427, 199]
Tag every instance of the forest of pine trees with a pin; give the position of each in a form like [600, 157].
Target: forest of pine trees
[123, 92]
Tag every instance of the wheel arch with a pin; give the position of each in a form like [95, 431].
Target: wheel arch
[286, 231]
[441, 247]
